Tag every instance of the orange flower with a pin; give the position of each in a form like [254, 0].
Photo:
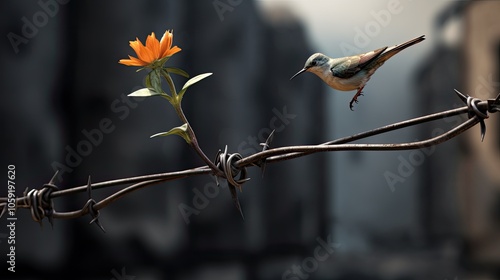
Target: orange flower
[153, 51]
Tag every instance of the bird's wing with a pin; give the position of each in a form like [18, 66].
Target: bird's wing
[349, 66]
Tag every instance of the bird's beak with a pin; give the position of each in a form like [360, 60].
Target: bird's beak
[300, 72]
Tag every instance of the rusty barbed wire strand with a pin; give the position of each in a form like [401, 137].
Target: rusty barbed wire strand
[40, 201]
[377, 131]
[310, 149]
[35, 200]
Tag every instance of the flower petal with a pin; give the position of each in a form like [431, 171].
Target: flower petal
[172, 51]
[136, 46]
[132, 61]
[166, 42]
[153, 45]
[143, 53]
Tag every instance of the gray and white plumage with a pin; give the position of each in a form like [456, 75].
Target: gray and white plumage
[352, 72]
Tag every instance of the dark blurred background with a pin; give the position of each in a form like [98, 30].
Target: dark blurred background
[425, 214]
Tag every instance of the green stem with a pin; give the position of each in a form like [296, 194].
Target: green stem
[170, 82]
[194, 140]
[176, 103]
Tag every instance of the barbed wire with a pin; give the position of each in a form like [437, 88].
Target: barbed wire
[229, 166]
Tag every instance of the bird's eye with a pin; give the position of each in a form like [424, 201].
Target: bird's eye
[313, 63]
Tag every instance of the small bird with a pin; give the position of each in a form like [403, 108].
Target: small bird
[352, 72]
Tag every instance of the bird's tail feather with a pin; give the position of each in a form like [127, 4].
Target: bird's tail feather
[397, 48]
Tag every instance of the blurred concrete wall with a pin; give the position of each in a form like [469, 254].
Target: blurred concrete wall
[479, 173]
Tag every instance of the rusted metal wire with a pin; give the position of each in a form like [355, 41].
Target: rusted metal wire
[40, 201]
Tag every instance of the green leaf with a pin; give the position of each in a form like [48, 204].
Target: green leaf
[195, 79]
[144, 92]
[155, 79]
[180, 130]
[177, 71]
[191, 82]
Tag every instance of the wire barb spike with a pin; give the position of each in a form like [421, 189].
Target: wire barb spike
[461, 95]
[90, 205]
[236, 201]
[494, 104]
[53, 179]
[265, 146]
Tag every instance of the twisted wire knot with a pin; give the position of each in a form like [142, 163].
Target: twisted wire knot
[226, 163]
[474, 110]
[40, 202]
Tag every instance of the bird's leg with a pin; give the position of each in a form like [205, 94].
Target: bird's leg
[355, 98]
